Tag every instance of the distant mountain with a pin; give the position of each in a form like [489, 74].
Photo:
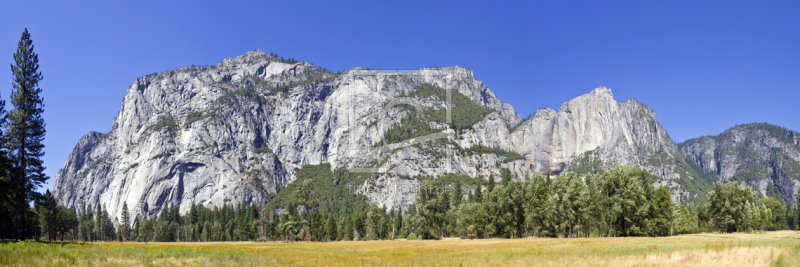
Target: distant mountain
[760, 155]
[241, 130]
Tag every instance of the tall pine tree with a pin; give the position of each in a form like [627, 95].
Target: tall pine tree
[126, 222]
[25, 132]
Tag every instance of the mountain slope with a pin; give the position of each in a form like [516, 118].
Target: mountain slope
[241, 130]
[763, 156]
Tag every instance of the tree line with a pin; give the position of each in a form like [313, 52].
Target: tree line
[619, 202]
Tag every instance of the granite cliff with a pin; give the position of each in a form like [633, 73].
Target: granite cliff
[762, 156]
[240, 130]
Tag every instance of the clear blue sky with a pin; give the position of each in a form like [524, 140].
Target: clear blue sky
[704, 66]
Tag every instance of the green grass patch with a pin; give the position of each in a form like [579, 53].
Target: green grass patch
[767, 249]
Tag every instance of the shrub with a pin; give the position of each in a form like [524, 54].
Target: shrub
[412, 236]
[165, 121]
[131, 167]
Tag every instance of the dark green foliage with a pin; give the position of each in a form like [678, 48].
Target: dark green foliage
[772, 192]
[660, 219]
[451, 179]
[196, 116]
[694, 180]
[537, 190]
[778, 212]
[750, 171]
[464, 114]
[508, 156]
[312, 78]
[752, 168]
[505, 177]
[97, 225]
[275, 57]
[409, 127]
[335, 191]
[263, 149]
[134, 165]
[728, 202]
[331, 229]
[243, 94]
[147, 230]
[24, 137]
[588, 162]
[431, 204]
[47, 212]
[164, 121]
[478, 194]
[125, 223]
[778, 132]
[458, 194]
[490, 185]
[166, 154]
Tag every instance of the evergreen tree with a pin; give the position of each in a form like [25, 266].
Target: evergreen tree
[7, 194]
[458, 195]
[331, 228]
[661, 212]
[358, 226]
[776, 208]
[67, 221]
[726, 210]
[372, 223]
[490, 187]
[506, 177]
[565, 202]
[125, 226]
[535, 207]
[25, 132]
[797, 205]
[634, 189]
[98, 223]
[478, 198]
[46, 209]
[147, 230]
[348, 230]
[431, 207]
[135, 232]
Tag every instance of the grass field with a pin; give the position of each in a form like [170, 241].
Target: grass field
[769, 249]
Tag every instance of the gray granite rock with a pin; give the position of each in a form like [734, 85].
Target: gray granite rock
[240, 130]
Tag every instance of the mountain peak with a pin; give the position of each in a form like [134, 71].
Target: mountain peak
[601, 90]
[255, 54]
[249, 56]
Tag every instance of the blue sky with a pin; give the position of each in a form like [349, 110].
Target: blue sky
[703, 66]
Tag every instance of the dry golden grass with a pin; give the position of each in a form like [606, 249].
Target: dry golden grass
[774, 248]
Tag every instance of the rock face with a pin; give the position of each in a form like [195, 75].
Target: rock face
[762, 156]
[238, 131]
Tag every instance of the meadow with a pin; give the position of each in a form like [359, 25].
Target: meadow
[780, 248]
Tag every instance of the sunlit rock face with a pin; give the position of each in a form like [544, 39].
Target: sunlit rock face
[759, 155]
[238, 131]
